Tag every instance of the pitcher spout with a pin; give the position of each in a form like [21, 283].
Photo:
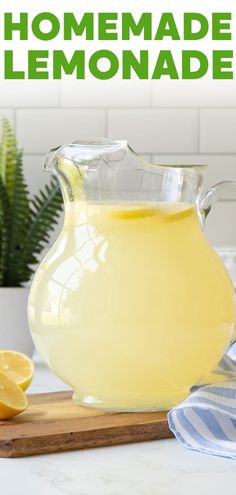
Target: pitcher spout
[83, 168]
[67, 171]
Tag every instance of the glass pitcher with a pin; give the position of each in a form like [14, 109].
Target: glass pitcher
[131, 306]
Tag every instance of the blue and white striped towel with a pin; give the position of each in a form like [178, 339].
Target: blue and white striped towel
[206, 421]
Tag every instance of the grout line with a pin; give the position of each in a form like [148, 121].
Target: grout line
[120, 107]
[58, 108]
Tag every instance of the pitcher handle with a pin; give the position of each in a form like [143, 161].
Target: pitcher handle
[216, 192]
[208, 200]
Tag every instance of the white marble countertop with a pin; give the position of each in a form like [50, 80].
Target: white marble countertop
[150, 468]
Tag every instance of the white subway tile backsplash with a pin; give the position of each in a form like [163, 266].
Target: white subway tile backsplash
[96, 93]
[35, 176]
[43, 129]
[21, 93]
[218, 131]
[152, 131]
[221, 224]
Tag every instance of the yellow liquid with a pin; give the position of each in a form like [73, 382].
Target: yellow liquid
[131, 306]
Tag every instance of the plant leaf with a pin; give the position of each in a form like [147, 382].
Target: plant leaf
[20, 217]
[25, 224]
[5, 222]
[8, 158]
[45, 212]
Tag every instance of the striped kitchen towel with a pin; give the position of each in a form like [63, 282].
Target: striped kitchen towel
[206, 421]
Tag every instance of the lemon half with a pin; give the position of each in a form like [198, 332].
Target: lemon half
[18, 367]
[13, 401]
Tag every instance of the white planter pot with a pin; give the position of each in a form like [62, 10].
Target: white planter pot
[14, 329]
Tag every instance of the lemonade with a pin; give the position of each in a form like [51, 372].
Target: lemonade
[131, 306]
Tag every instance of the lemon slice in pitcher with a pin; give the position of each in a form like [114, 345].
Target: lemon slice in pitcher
[18, 367]
[165, 211]
[13, 401]
[134, 212]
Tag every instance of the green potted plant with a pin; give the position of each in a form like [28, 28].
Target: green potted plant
[25, 227]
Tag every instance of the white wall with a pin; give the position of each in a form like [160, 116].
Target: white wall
[169, 122]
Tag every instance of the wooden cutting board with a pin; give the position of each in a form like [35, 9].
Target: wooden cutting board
[53, 423]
